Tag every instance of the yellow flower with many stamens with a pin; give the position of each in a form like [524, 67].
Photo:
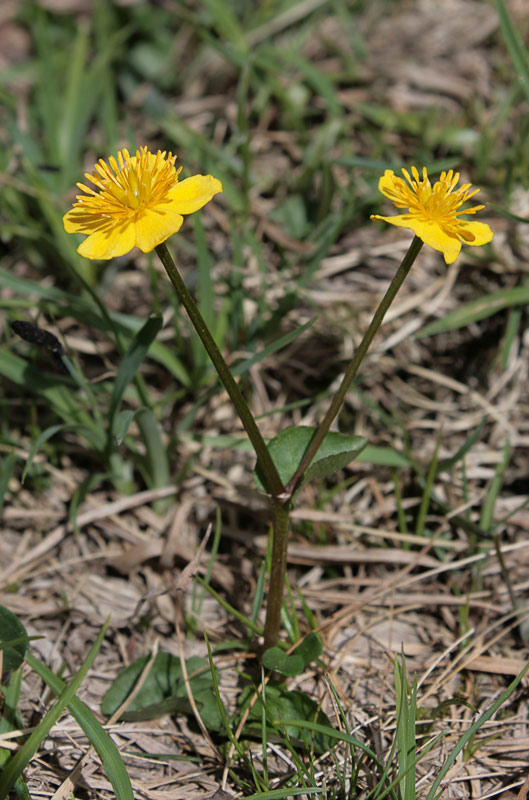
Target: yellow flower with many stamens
[434, 211]
[138, 202]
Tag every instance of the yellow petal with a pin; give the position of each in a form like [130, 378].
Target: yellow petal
[434, 214]
[110, 241]
[386, 181]
[139, 202]
[430, 233]
[155, 225]
[73, 221]
[474, 233]
[192, 193]
[434, 236]
[395, 189]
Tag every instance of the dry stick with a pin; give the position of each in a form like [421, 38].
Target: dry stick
[196, 714]
[522, 794]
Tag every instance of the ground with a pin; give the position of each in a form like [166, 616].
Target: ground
[392, 555]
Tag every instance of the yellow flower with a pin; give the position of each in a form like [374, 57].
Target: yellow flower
[139, 202]
[433, 211]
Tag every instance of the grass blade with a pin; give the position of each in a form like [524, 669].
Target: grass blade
[20, 760]
[7, 466]
[97, 735]
[467, 736]
[54, 390]
[130, 364]
[487, 512]
[477, 310]
[515, 46]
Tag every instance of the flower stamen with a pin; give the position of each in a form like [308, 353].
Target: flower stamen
[434, 211]
[138, 201]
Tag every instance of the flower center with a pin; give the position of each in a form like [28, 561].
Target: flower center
[144, 180]
[137, 191]
[130, 185]
[438, 203]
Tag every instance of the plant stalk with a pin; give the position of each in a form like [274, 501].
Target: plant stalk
[354, 366]
[278, 566]
[273, 482]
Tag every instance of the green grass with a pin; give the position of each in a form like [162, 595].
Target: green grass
[257, 95]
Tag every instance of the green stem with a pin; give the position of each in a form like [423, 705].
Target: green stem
[273, 482]
[354, 366]
[278, 566]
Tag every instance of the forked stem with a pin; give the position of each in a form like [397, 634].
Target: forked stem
[280, 495]
[281, 505]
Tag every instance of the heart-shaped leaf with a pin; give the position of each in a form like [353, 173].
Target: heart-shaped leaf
[284, 704]
[310, 648]
[289, 446]
[163, 691]
[277, 660]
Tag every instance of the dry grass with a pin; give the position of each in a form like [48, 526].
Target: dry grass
[447, 606]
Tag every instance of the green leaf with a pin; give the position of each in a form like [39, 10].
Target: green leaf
[277, 660]
[288, 447]
[99, 738]
[515, 45]
[19, 761]
[122, 424]
[155, 464]
[65, 304]
[44, 436]
[53, 389]
[310, 648]
[85, 487]
[282, 704]
[227, 24]
[208, 709]
[291, 214]
[479, 309]
[7, 465]
[11, 720]
[13, 639]
[312, 74]
[385, 456]
[448, 463]
[405, 735]
[486, 520]
[131, 362]
[164, 690]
